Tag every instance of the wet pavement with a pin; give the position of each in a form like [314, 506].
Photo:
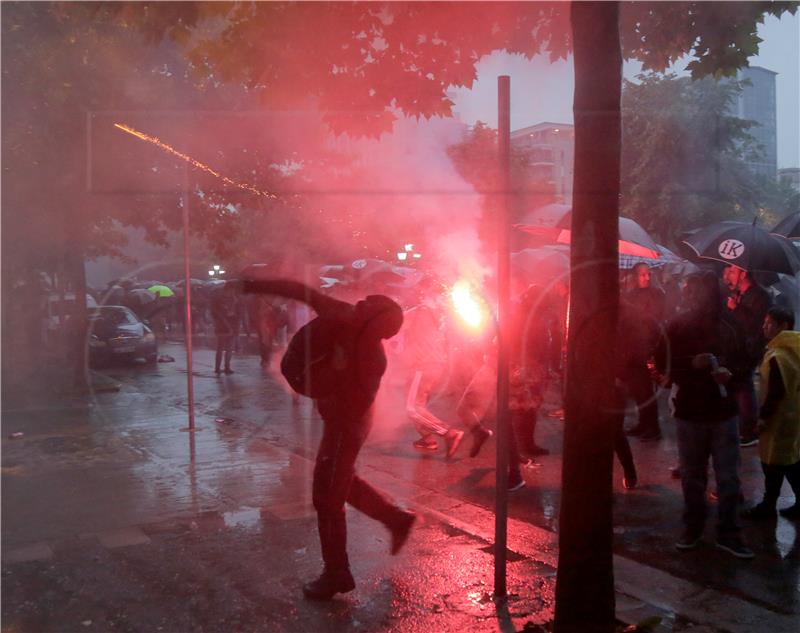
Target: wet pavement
[115, 518]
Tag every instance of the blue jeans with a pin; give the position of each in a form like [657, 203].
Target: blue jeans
[697, 441]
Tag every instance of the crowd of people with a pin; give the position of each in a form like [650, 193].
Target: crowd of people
[712, 347]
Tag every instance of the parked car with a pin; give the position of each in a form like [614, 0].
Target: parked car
[116, 333]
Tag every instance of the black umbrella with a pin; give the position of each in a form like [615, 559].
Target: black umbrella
[633, 239]
[745, 245]
[789, 226]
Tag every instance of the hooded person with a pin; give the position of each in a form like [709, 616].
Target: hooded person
[338, 360]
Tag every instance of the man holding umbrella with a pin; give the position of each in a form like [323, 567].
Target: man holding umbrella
[744, 248]
[748, 303]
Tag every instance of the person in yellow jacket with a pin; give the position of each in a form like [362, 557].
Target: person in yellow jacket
[779, 414]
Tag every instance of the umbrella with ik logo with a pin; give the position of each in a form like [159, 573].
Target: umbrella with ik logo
[745, 245]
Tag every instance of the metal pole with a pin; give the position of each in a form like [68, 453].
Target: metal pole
[188, 295]
[501, 478]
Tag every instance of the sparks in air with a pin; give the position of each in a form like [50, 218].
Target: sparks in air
[193, 162]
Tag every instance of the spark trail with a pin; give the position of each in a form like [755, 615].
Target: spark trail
[192, 161]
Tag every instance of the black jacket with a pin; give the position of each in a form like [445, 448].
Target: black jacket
[698, 398]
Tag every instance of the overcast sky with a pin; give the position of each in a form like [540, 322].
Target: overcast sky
[541, 91]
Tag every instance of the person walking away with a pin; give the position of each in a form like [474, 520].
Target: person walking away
[779, 414]
[528, 371]
[424, 351]
[225, 317]
[701, 353]
[748, 304]
[478, 398]
[642, 314]
[266, 328]
[345, 369]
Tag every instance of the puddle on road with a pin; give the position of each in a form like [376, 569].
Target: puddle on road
[243, 517]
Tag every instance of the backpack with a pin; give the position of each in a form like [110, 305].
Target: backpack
[318, 358]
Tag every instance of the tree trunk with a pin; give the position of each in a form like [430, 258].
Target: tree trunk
[585, 581]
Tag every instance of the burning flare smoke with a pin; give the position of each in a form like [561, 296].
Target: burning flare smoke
[468, 305]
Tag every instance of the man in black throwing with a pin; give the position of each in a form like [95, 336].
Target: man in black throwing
[352, 368]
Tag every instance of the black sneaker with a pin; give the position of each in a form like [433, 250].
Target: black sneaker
[792, 512]
[479, 436]
[689, 540]
[629, 482]
[748, 440]
[401, 530]
[329, 584]
[735, 546]
[515, 481]
[760, 512]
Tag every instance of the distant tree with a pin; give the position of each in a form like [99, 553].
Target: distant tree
[475, 159]
[776, 200]
[684, 158]
[683, 154]
[61, 63]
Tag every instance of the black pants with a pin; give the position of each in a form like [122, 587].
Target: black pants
[336, 482]
[523, 425]
[640, 388]
[623, 451]
[773, 480]
[224, 348]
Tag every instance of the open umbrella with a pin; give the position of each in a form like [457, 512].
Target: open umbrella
[161, 290]
[140, 296]
[789, 226]
[745, 245]
[540, 264]
[667, 259]
[633, 239]
[373, 271]
[192, 282]
[545, 219]
[787, 292]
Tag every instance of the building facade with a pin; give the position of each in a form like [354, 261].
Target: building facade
[791, 176]
[552, 150]
[757, 103]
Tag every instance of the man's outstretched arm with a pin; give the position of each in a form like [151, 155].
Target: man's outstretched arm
[323, 305]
